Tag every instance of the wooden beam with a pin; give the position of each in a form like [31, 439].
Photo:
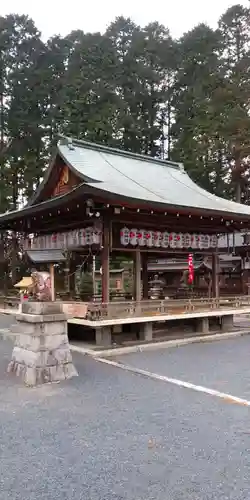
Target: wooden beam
[137, 275]
[105, 260]
[145, 276]
[215, 275]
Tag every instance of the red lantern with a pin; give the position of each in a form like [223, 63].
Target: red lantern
[190, 269]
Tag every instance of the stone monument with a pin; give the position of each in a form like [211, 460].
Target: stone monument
[41, 353]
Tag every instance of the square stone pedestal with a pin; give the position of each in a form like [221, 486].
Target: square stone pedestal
[202, 325]
[146, 332]
[41, 353]
[227, 323]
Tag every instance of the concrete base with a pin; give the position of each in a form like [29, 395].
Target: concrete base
[202, 325]
[227, 323]
[41, 353]
[146, 331]
[103, 336]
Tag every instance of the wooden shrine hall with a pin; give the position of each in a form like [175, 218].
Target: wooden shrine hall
[105, 202]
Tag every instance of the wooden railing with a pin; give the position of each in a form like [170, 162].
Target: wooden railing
[117, 310]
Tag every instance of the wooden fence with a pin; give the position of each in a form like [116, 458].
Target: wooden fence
[117, 310]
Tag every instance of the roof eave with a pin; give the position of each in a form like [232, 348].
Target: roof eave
[148, 205]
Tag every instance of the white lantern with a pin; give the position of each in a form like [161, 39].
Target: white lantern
[75, 238]
[213, 241]
[70, 239]
[97, 236]
[187, 240]
[165, 240]
[133, 237]
[173, 240]
[195, 241]
[34, 243]
[82, 238]
[63, 240]
[141, 237]
[201, 242]
[150, 238]
[206, 241]
[66, 239]
[125, 236]
[179, 240]
[31, 243]
[157, 238]
[89, 236]
[48, 241]
[53, 240]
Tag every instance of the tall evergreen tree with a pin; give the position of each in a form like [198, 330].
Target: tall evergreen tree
[90, 102]
[234, 29]
[195, 129]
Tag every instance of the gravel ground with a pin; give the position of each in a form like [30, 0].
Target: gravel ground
[113, 435]
[6, 320]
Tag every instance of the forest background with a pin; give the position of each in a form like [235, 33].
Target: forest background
[131, 87]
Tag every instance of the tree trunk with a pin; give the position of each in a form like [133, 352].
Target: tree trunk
[238, 192]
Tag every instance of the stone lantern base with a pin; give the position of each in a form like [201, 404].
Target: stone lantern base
[41, 353]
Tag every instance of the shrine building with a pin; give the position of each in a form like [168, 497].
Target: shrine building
[97, 203]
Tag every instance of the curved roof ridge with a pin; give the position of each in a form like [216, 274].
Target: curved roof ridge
[71, 142]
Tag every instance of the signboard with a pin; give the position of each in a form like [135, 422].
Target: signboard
[164, 239]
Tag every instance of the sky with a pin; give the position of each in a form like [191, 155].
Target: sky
[56, 17]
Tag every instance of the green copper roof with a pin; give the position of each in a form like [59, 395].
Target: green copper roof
[125, 176]
[141, 177]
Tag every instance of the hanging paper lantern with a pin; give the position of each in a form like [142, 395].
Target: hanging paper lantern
[133, 237]
[201, 242]
[82, 239]
[125, 236]
[89, 236]
[157, 237]
[42, 242]
[150, 238]
[179, 240]
[97, 235]
[53, 240]
[47, 241]
[206, 241]
[141, 236]
[214, 241]
[63, 241]
[173, 240]
[195, 241]
[187, 240]
[165, 240]
[74, 238]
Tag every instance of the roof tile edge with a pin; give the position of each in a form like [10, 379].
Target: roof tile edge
[71, 142]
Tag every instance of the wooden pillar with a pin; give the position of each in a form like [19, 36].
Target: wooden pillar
[52, 281]
[215, 275]
[137, 276]
[105, 259]
[67, 274]
[244, 277]
[145, 276]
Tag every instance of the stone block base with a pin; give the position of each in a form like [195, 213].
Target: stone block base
[103, 336]
[32, 376]
[227, 323]
[202, 325]
[41, 353]
[146, 332]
